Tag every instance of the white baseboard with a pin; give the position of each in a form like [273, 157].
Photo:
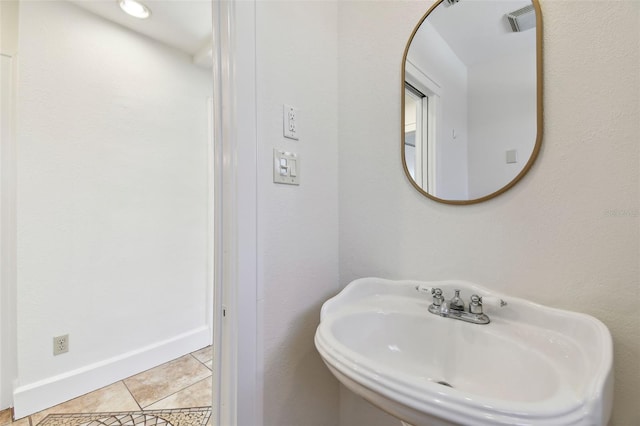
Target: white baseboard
[34, 397]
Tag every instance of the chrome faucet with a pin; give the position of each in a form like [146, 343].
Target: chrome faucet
[455, 307]
[456, 304]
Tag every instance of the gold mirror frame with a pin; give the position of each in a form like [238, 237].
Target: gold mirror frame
[538, 143]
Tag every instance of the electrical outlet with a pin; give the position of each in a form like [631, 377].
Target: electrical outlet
[60, 344]
[290, 122]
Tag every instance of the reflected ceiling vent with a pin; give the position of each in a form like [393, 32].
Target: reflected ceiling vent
[522, 19]
[452, 2]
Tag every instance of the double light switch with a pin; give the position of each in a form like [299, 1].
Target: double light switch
[286, 167]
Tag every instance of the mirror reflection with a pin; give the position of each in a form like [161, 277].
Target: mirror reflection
[472, 98]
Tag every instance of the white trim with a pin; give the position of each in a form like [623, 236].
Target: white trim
[432, 121]
[33, 397]
[243, 69]
[8, 291]
[223, 386]
[211, 235]
[419, 102]
[218, 280]
[420, 80]
[237, 388]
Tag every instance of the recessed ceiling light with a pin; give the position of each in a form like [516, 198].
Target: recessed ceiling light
[135, 8]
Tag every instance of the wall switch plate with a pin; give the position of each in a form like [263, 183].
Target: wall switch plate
[512, 156]
[286, 167]
[60, 344]
[290, 122]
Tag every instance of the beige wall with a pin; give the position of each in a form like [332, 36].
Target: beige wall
[296, 46]
[566, 236]
[9, 25]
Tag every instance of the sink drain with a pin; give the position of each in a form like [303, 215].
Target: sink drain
[443, 383]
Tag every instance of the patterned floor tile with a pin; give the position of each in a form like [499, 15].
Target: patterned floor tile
[178, 417]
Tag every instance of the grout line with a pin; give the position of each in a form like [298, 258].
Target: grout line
[130, 393]
[166, 396]
[202, 362]
[178, 391]
[183, 389]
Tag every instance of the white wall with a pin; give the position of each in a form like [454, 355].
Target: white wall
[112, 206]
[502, 116]
[566, 236]
[296, 64]
[430, 54]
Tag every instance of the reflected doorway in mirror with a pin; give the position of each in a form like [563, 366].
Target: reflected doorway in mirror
[488, 99]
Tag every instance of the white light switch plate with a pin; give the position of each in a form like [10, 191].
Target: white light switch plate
[286, 167]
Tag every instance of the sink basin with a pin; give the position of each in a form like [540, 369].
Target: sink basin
[531, 365]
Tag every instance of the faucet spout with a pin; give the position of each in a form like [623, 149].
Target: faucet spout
[456, 303]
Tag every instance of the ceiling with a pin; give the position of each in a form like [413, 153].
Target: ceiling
[186, 25]
[478, 30]
[182, 24]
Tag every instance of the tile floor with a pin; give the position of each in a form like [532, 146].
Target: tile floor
[182, 383]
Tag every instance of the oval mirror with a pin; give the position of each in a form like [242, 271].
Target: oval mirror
[472, 98]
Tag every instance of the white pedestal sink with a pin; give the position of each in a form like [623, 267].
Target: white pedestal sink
[531, 365]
